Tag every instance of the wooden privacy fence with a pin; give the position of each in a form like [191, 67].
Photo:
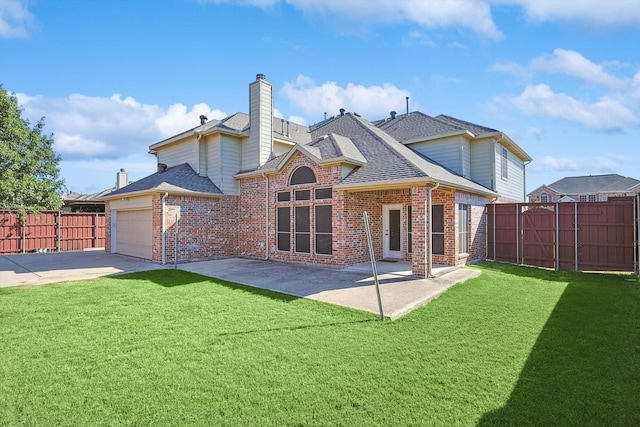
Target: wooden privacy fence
[51, 231]
[578, 236]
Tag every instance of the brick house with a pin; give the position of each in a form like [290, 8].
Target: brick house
[590, 188]
[261, 187]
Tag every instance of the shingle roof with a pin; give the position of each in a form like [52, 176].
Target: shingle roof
[415, 125]
[592, 184]
[387, 159]
[181, 178]
[461, 124]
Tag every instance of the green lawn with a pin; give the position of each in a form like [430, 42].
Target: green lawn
[515, 346]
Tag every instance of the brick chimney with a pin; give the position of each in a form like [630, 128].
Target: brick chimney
[259, 149]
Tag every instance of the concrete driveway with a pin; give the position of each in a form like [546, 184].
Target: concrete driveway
[351, 287]
[39, 269]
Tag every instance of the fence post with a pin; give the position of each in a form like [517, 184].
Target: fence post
[59, 230]
[557, 237]
[24, 234]
[575, 224]
[494, 230]
[517, 234]
[95, 231]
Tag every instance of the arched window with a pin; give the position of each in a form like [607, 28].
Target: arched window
[302, 175]
[544, 197]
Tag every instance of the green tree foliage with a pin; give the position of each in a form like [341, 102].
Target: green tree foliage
[29, 173]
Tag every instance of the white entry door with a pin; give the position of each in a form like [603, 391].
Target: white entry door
[392, 231]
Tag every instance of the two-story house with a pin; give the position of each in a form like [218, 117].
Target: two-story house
[590, 188]
[262, 187]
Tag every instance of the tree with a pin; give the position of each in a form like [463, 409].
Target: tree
[29, 173]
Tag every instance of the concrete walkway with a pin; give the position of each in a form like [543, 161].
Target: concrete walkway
[349, 287]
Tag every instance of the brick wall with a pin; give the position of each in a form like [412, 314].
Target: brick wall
[207, 227]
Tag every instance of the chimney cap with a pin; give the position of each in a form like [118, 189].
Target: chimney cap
[260, 76]
[342, 110]
[122, 170]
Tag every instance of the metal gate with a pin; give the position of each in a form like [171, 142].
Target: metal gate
[579, 236]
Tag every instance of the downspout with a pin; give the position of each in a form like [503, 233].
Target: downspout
[430, 233]
[164, 251]
[266, 215]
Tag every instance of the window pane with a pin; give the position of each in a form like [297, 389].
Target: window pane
[303, 175]
[409, 243]
[303, 242]
[463, 229]
[323, 219]
[438, 244]
[284, 223]
[284, 241]
[324, 193]
[284, 196]
[302, 219]
[409, 219]
[438, 218]
[303, 194]
[323, 244]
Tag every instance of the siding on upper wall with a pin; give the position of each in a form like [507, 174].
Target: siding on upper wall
[280, 148]
[177, 154]
[513, 186]
[214, 159]
[482, 163]
[448, 152]
[231, 157]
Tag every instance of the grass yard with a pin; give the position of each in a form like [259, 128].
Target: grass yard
[515, 346]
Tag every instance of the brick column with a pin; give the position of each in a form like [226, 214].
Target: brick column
[419, 247]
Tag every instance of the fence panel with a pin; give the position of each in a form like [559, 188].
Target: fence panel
[580, 236]
[51, 231]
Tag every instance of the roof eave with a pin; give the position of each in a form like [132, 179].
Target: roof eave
[153, 191]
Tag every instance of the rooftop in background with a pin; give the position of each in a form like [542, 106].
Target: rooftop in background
[591, 184]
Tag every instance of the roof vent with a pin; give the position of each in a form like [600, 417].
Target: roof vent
[203, 119]
[162, 167]
[342, 110]
[261, 77]
[393, 115]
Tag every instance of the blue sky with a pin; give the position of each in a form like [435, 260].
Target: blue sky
[561, 78]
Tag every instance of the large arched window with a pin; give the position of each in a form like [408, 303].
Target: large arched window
[302, 175]
[544, 197]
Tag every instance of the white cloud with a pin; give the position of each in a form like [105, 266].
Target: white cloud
[559, 165]
[574, 64]
[513, 68]
[608, 13]
[329, 97]
[537, 133]
[418, 38]
[604, 115]
[15, 19]
[98, 127]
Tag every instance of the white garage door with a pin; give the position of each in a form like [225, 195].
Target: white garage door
[133, 233]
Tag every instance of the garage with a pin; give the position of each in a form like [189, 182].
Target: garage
[133, 233]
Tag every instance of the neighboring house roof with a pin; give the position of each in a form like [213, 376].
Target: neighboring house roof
[593, 184]
[76, 198]
[180, 179]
